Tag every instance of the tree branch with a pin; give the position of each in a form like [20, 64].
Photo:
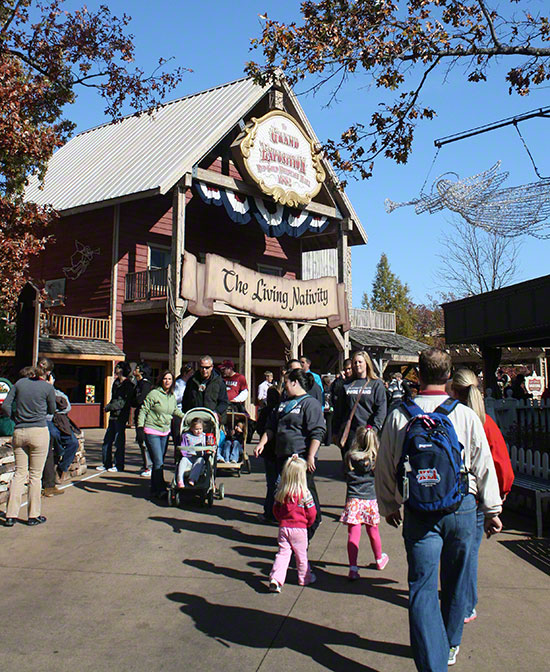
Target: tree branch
[490, 23]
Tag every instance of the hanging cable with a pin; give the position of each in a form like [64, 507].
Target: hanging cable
[529, 153]
[430, 169]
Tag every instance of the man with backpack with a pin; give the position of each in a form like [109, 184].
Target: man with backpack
[434, 458]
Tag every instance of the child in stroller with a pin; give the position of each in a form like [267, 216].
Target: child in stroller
[232, 448]
[190, 461]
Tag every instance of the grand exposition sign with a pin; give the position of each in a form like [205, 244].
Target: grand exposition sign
[260, 294]
[283, 161]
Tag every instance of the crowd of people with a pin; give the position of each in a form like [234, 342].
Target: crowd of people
[386, 434]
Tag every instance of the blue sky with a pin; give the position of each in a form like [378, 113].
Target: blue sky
[213, 39]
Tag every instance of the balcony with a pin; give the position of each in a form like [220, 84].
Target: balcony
[72, 326]
[372, 319]
[146, 285]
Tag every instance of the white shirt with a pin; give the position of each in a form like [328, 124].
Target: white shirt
[262, 390]
[477, 456]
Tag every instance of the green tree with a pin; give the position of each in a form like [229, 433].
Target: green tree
[390, 295]
[399, 46]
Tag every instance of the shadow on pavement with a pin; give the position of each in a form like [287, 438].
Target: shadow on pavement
[535, 551]
[264, 630]
[216, 529]
[252, 579]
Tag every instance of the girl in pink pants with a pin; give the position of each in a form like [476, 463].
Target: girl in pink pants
[361, 505]
[295, 510]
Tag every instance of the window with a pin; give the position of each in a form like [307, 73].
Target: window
[270, 270]
[159, 257]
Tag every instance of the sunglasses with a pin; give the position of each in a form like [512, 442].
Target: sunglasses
[206, 367]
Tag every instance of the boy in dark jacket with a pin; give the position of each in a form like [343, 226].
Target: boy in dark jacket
[142, 376]
[119, 408]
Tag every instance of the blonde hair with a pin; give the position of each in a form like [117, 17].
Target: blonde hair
[293, 484]
[465, 384]
[363, 449]
[370, 368]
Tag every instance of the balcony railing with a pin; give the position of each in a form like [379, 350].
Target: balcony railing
[72, 326]
[372, 319]
[146, 285]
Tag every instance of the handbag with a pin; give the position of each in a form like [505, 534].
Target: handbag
[345, 433]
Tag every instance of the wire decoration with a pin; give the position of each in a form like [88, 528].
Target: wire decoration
[480, 200]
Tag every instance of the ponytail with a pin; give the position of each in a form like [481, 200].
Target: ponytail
[465, 385]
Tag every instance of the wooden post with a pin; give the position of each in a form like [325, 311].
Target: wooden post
[178, 245]
[344, 255]
[247, 371]
[114, 271]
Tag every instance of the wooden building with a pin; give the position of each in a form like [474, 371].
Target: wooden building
[138, 197]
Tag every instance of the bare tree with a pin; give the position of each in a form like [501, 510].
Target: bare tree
[475, 260]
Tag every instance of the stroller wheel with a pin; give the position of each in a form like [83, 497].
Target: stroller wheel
[210, 498]
[177, 499]
[171, 498]
[221, 491]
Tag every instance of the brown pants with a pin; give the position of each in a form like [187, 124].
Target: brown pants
[30, 447]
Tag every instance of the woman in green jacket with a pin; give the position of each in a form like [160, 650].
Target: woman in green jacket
[155, 417]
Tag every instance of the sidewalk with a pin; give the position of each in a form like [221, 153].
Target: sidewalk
[114, 582]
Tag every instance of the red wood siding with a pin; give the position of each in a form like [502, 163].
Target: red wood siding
[89, 294]
[144, 333]
[217, 166]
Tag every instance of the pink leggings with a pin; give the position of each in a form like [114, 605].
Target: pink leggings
[354, 537]
[291, 539]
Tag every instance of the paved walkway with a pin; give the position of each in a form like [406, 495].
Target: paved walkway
[114, 582]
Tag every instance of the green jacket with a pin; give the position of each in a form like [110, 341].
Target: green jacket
[157, 410]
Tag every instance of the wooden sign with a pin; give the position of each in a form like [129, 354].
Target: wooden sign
[280, 158]
[261, 294]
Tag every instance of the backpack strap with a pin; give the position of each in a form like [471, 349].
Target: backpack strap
[410, 408]
[447, 406]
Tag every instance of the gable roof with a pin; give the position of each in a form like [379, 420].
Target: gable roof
[146, 155]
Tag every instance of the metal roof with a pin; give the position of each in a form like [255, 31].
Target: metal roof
[147, 154]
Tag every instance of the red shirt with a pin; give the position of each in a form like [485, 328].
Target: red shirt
[501, 458]
[235, 384]
[296, 513]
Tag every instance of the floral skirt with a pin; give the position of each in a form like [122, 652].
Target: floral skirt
[360, 511]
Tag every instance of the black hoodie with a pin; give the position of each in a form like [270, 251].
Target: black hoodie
[206, 393]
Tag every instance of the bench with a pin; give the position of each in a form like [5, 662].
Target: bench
[540, 486]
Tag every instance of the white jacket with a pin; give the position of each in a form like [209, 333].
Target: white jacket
[477, 456]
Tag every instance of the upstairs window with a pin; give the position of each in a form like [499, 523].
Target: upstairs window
[159, 257]
[270, 270]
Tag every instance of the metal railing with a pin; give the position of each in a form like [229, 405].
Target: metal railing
[72, 326]
[372, 319]
[146, 285]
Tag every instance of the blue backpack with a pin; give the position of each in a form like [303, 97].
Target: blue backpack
[430, 474]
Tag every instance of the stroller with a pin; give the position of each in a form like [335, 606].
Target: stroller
[243, 465]
[205, 485]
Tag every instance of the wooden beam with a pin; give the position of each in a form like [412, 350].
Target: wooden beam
[303, 332]
[236, 327]
[226, 182]
[187, 324]
[175, 339]
[248, 363]
[284, 332]
[257, 326]
[294, 340]
[337, 339]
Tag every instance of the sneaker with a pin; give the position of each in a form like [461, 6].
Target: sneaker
[220, 458]
[146, 473]
[312, 579]
[274, 586]
[382, 562]
[181, 484]
[112, 469]
[100, 468]
[453, 653]
[353, 575]
[52, 492]
[471, 617]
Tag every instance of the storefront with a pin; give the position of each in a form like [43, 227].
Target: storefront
[189, 234]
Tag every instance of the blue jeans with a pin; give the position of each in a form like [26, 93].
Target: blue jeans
[230, 450]
[156, 446]
[471, 586]
[65, 446]
[438, 544]
[271, 478]
[116, 433]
